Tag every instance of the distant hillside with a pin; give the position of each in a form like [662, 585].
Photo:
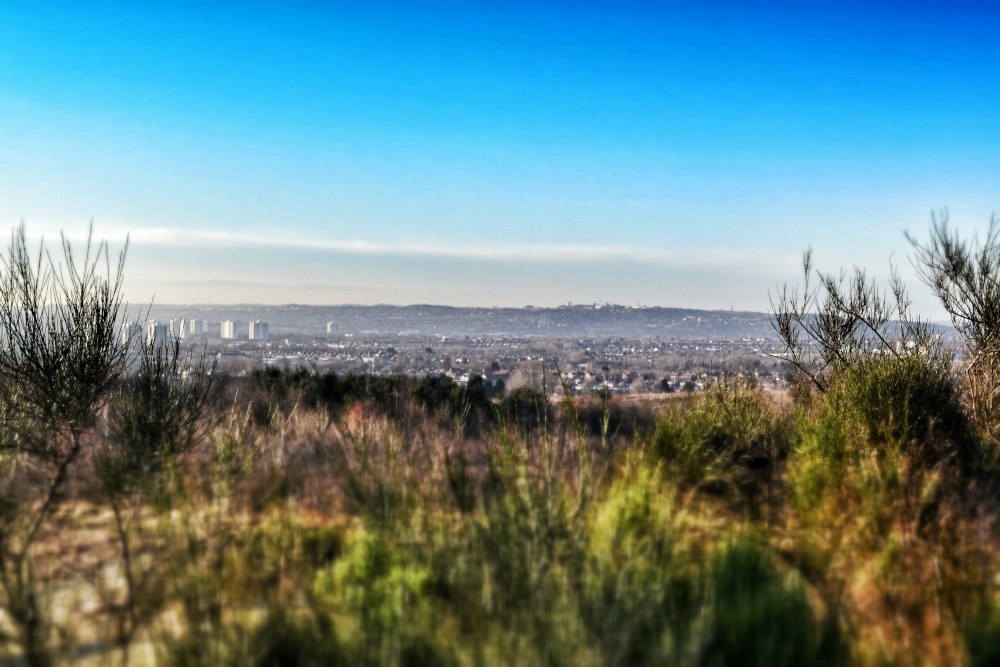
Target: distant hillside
[590, 320]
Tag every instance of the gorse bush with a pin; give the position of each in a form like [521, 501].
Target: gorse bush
[640, 602]
[333, 393]
[964, 275]
[731, 425]
[156, 414]
[60, 356]
[757, 616]
[905, 406]
[890, 476]
[911, 402]
[526, 407]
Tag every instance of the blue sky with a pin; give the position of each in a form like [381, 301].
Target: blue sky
[677, 154]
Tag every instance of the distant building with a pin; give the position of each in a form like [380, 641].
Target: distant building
[258, 331]
[228, 330]
[157, 333]
[331, 328]
[131, 332]
[195, 328]
[179, 328]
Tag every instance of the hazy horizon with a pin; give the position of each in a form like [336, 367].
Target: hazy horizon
[497, 155]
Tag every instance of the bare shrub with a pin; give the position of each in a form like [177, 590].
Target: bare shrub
[60, 356]
[965, 276]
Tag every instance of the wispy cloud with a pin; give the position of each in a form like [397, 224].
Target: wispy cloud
[251, 284]
[743, 260]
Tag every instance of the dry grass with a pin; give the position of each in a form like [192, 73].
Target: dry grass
[711, 527]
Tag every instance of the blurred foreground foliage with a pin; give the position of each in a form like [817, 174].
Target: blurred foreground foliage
[176, 516]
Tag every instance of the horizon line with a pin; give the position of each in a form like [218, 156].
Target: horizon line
[567, 305]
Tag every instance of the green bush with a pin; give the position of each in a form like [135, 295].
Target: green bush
[911, 403]
[731, 425]
[285, 639]
[524, 407]
[758, 616]
[437, 392]
[385, 592]
[329, 391]
[641, 594]
[983, 637]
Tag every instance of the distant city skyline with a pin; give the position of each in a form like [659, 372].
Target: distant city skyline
[671, 154]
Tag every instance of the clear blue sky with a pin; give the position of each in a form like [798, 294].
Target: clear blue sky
[521, 153]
